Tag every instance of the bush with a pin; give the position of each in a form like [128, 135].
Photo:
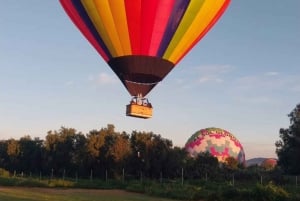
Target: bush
[4, 173]
[99, 184]
[168, 190]
[135, 187]
[60, 183]
[29, 182]
[269, 192]
[6, 181]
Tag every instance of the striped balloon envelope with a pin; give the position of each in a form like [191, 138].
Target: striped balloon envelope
[142, 40]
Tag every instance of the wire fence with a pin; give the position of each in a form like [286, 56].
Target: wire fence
[235, 179]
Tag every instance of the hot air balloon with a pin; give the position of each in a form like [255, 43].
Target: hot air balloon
[216, 141]
[269, 163]
[143, 40]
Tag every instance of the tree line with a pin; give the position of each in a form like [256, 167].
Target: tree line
[108, 152]
[101, 152]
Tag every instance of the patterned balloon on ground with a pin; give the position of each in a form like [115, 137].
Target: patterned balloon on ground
[218, 142]
[269, 163]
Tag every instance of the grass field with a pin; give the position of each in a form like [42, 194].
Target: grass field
[46, 194]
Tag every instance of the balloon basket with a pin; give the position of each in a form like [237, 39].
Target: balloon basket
[140, 108]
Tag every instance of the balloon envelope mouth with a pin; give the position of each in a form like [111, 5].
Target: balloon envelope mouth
[140, 73]
[145, 79]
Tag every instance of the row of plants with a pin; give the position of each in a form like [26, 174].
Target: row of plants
[175, 189]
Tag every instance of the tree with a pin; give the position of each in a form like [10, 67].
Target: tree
[176, 160]
[79, 156]
[231, 163]
[288, 148]
[60, 149]
[120, 150]
[4, 159]
[13, 152]
[158, 155]
[203, 165]
[149, 154]
[30, 154]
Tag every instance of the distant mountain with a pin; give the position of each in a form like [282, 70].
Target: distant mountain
[255, 161]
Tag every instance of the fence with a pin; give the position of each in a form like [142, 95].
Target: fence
[235, 179]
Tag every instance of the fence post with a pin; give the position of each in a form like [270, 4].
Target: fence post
[296, 181]
[64, 173]
[182, 176]
[91, 175]
[123, 173]
[52, 173]
[106, 175]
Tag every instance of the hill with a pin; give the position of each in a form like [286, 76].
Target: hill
[254, 161]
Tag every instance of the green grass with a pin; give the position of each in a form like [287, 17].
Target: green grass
[32, 189]
[46, 194]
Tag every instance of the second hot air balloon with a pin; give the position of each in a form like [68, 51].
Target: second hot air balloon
[143, 40]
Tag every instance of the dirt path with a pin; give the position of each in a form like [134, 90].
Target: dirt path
[69, 191]
[64, 194]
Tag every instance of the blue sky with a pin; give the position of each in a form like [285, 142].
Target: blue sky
[244, 77]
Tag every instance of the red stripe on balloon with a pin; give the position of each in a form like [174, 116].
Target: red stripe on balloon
[160, 24]
[133, 12]
[149, 10]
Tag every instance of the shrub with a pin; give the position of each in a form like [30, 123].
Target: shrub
[4, 173]
[135, 187]
[6, 181]
[29, 182]
[269, 192]
[60, 183]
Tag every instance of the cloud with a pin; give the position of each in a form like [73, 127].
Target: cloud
[265, 88]
[189, 78]
[272, 73]
[212, 73]
[269, 81]
[69, 83]
[215, 79]
[256, 99]
[256, 89]
[103, 79]
[295, 88]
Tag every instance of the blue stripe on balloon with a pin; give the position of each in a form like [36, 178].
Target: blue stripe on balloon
[173, 23]
[84, 16]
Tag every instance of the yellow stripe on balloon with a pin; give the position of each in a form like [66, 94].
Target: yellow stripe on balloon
[204, 17]
[190, 14]
[199, 21]
[119, 15]
[93, 13]
[107, 19]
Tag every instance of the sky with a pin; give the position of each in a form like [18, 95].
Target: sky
[243, 76]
